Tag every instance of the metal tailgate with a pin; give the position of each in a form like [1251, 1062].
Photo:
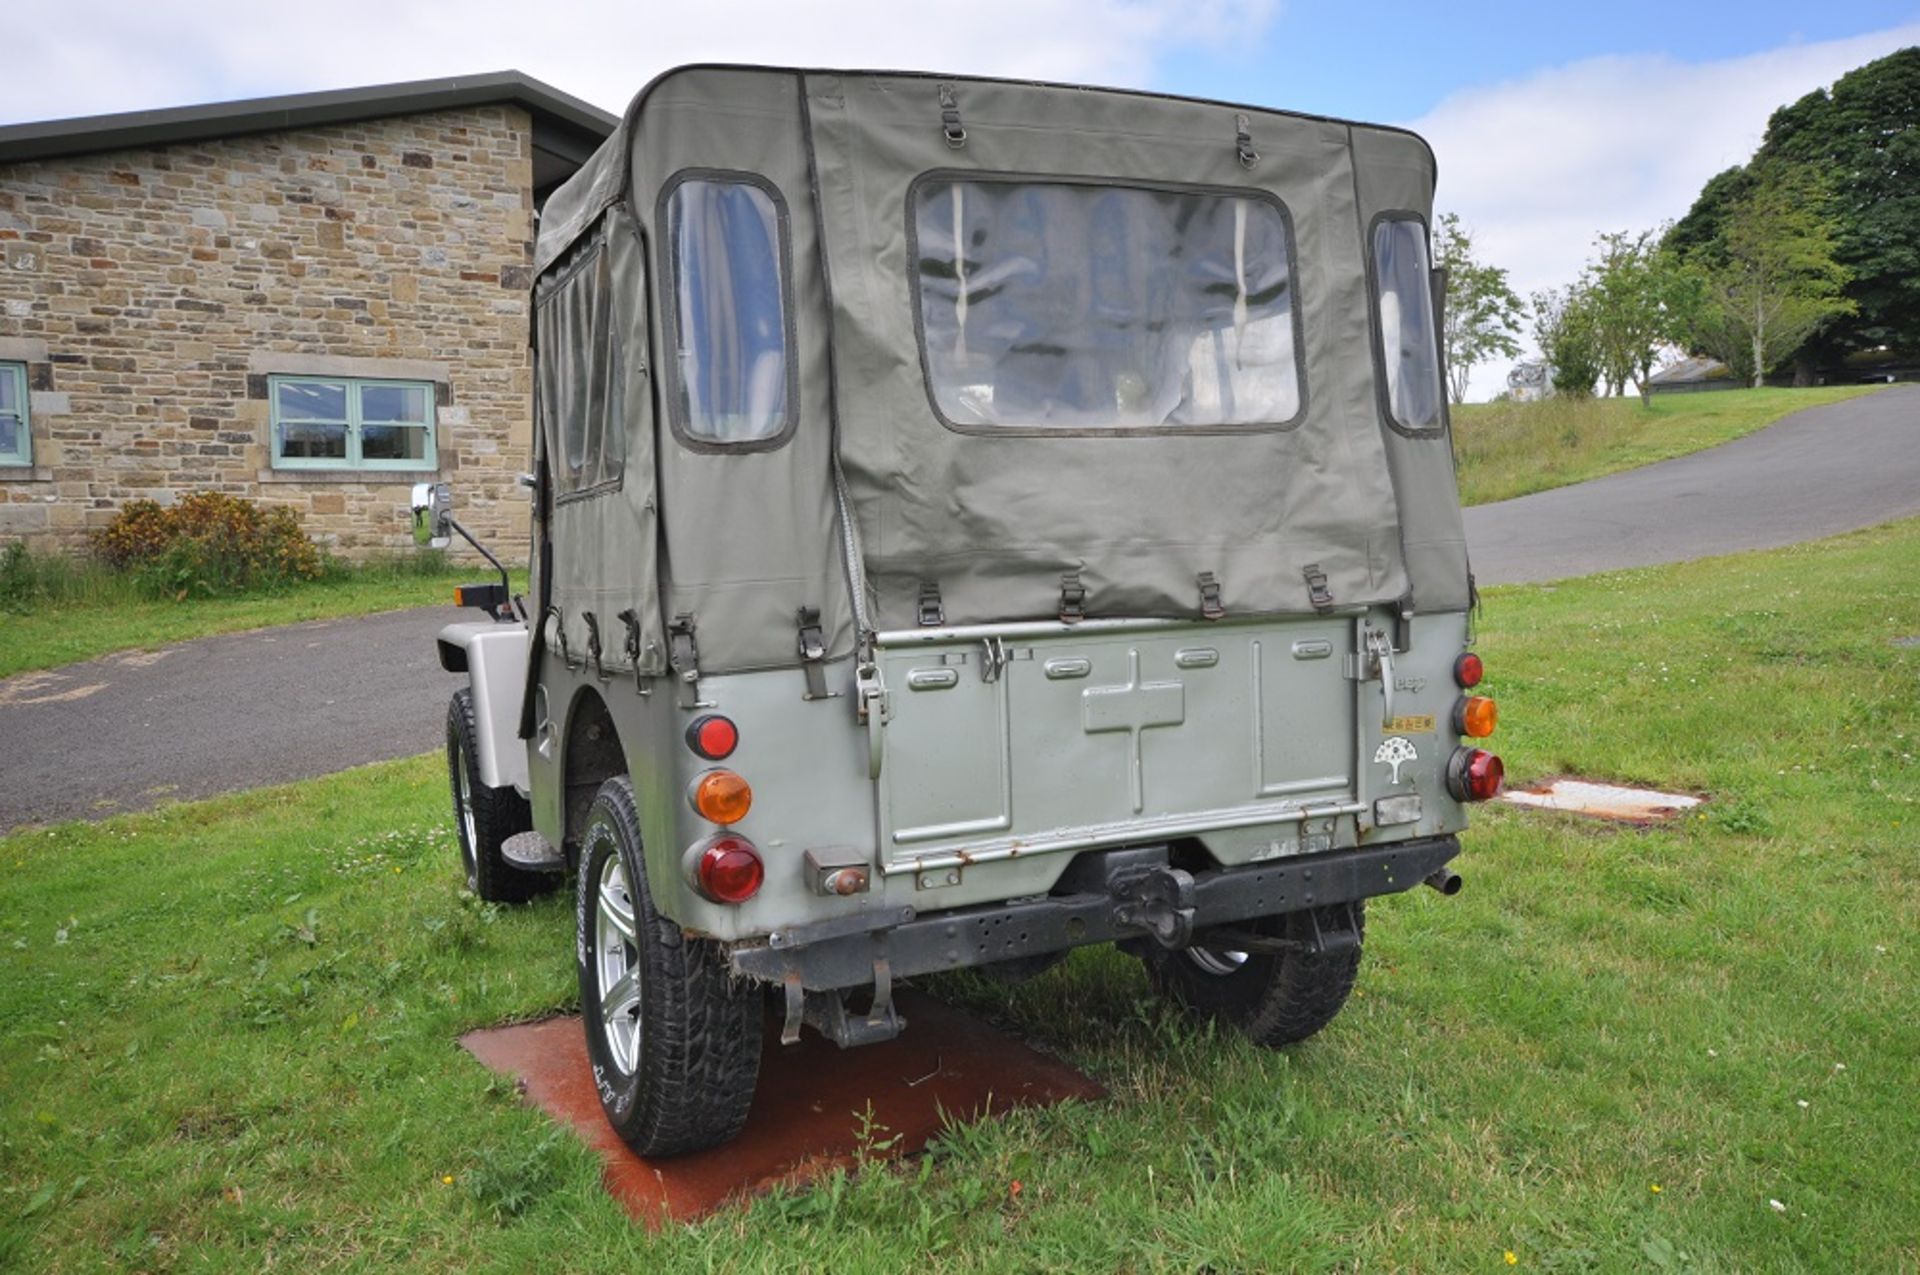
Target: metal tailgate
[1102, 733]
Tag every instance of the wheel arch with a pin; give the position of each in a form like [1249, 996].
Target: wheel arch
[591, 752]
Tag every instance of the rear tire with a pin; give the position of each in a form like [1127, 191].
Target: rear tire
[483, 817]
[1273, 999]
[674, 1039]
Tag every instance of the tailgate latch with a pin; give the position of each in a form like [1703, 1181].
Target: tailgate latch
[813, 652]
[1380, 655]
[684, 657]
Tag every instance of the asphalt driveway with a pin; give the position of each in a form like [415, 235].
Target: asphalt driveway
[1815, 473]
[228, 713]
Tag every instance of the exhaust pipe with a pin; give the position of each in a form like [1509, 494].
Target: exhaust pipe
[1445, 880]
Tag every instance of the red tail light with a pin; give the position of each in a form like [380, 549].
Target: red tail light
[730, 870]
[1468, 670]
[713, 737]
[1474, 774]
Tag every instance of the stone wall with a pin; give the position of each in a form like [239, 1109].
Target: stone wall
[152, 292]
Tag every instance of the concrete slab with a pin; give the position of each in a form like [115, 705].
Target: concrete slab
[1603, 801]
[947, 1067]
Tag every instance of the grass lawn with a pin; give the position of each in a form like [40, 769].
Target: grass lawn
[1509, 449]
[111, 616]
[230, 1026]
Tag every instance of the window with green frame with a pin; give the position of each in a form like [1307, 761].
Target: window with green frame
[16, 439]
[330, 422]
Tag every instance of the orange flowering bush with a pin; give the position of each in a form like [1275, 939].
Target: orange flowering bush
[209, 543]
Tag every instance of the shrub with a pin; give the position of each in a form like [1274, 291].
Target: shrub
[209, 544]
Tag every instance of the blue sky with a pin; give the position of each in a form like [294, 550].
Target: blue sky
[1552, 122]
[1403, 59]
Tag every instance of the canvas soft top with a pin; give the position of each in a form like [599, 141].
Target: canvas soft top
[1334, 506]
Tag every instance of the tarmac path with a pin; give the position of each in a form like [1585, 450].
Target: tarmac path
[240, 711]
[1815, 473]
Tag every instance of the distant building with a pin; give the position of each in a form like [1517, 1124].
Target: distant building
[1692, 374]
[313, 301]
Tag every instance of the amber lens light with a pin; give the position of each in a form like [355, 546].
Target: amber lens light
[722, 796]
[1468, 670]
[713, 737]
[1477, 716]
[730, 871]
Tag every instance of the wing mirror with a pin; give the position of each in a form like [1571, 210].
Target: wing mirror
[432, 515]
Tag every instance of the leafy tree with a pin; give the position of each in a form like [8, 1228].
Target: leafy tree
[1863, 135]
[1483, 313]
[1638, 300]
[1563, 329]
[1769, 279]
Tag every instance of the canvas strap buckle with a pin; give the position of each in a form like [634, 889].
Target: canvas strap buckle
[631, 618]
[950, 118]
[1211, 608]
[684, 658]
[593, 645]
[932, 614]
[1073, 598]
[813, 652]
[1243, 141]
[1317, 591]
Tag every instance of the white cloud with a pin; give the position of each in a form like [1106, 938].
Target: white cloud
[1536, 167]
[102, 57]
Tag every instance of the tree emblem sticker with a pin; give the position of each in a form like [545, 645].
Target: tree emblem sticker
[1396, 752]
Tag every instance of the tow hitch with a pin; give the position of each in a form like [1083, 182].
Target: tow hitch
[1159, 901]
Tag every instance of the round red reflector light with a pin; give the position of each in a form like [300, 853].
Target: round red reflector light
[713, 737]
[1468, 670]
[730, 871]
[1485, 774]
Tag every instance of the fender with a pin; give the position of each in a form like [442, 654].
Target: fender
[494, 658]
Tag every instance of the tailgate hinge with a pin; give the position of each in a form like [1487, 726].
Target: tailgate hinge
[1073, 598]
[1317, 591]
[1211, 608]
[813, 653]
[932, 614]
[684, 656]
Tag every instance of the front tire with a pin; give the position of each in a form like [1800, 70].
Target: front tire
[1273, 999]
[673, 1038]
[483, 817]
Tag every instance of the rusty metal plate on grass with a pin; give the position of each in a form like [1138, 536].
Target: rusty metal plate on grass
[1603, 801]
[948, 1067]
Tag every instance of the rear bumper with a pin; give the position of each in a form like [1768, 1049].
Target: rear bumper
[845, 953]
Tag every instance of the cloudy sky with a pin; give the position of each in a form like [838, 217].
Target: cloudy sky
[1550, 126]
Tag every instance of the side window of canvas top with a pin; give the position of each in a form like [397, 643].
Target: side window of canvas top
[1081, 307]
[727, 269]
[583, 376]
[1409, 350]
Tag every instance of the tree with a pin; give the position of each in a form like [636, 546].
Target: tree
[1769, 278]
[1863, 136]
[1482, 313]
[1638, 301]
[1563, 329]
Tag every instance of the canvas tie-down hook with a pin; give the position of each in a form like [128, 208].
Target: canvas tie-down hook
[950, 118]
[1243, 141]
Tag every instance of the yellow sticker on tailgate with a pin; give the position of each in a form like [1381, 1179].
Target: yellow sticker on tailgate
[1422, 724]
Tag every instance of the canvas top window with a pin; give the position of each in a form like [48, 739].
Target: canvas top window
[727, 272]
[344, 423]
[1409, 346]
[16, 441]
[582, 371]
[1047, 306]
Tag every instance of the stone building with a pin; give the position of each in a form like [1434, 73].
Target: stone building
[313, 301]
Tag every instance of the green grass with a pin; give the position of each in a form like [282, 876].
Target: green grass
[229, 1026]
[1509, 449]
[88, 611]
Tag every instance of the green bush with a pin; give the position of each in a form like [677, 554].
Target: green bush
[209, 544]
